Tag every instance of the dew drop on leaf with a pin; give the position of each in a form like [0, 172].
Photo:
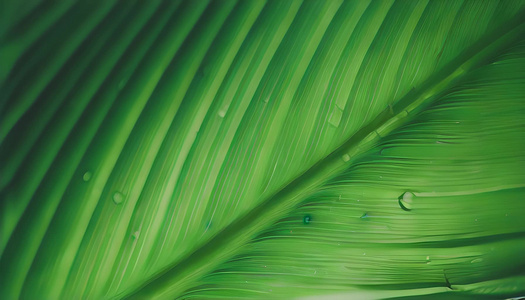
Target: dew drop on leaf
[346, 157]
[335, 117]
[307, 219]
[87, 176]
[222, 113]
[476, 260]
[364, 216]
[118, 198]
[428, 259]
[405, 200]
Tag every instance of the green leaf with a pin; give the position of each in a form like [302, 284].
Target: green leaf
[262, 149]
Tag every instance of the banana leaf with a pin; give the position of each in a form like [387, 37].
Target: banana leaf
[262, 149]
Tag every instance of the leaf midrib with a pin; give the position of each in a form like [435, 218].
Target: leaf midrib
[175, 279]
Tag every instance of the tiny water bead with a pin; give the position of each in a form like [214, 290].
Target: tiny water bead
[364, 216]
[405, 200]
[135, 235]
[222, 113]
[335, 117]
[428, 259]
[346, 157]
[307, 219]
[118, 198]
[87, 176]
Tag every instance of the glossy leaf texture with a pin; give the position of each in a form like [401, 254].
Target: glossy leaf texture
[262, 149]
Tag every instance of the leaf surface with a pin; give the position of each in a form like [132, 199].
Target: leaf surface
[253, 149]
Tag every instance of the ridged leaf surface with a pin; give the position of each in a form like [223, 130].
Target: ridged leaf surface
[262, 149]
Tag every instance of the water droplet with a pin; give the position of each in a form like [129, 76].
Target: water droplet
[364, 216]
[135, 234]
[266, 99]
[346, 157]
[222, 113]
[364, 253]
[307, 219]
[428, 259]
[335, 117]
[405, 200]
[118, 198]
[87, 176]
[476, 220]
[476, 260]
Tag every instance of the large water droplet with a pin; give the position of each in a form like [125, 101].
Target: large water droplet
[405, 200]
[307, 219]
[87, 176]
[118, 198]
[346, 157]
